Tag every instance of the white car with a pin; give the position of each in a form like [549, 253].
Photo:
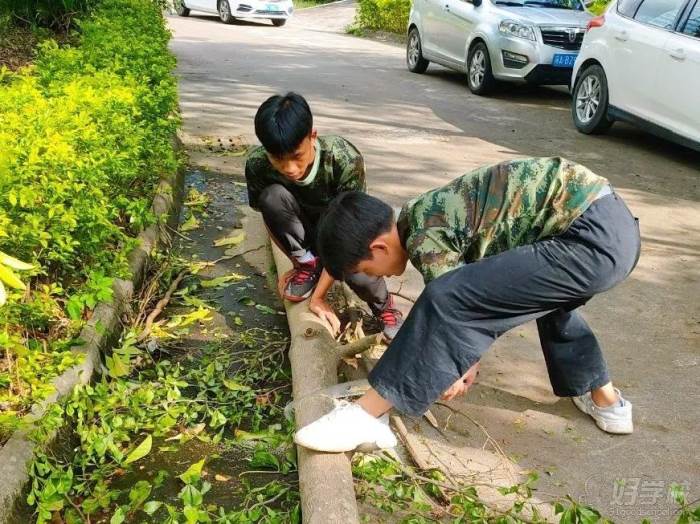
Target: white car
[277, 11]
[640, 62]
[522, 41]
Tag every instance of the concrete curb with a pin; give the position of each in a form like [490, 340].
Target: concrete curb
[101, 330]
[325, 479]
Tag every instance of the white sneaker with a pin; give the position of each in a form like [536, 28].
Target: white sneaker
[612, 419]
[345, 428]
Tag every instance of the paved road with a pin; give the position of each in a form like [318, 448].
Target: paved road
[419, 131]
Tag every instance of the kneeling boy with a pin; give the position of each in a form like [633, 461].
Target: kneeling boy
[291, 179]
[523, 240]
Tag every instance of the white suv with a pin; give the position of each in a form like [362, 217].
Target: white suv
[525, 41]
[640, 62]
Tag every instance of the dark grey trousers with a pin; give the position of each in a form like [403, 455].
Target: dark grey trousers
[294, 231]
[460, 314]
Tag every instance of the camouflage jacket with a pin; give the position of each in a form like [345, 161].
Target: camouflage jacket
[338, 167]
[493, 209]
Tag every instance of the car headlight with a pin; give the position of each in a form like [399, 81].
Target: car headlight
[513, 28]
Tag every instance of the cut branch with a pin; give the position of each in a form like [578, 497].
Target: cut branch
[160, 306]
[359, 346]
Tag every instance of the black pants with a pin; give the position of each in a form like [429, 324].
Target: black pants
[294, 231]
[460, 314]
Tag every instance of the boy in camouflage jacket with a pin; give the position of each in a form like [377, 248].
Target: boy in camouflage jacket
[291, 180]
[530, 239]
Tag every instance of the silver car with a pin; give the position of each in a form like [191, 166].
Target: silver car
[527, 41]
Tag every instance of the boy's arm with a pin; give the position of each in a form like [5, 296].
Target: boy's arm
[351, 166]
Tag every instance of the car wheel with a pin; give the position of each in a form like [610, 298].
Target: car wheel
[479, 73]
[225, 12]
[180, 8]
[590, 101]
[414, 53]
[279, 22]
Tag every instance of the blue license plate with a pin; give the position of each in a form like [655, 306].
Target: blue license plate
[271, 7]
[564, 60]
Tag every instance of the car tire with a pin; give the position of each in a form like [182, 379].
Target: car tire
[180, 8]
[480, 77]
[589, 105]
[224, 9]
[278, 22]
[414, 53]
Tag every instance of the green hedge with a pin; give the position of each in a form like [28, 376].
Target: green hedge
[383, 15]
[85, 134]
[57, 14]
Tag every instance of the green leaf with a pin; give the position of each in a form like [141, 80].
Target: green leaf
[119, 516]
[233, 240]
[678, 494]
[193, 473]
[235, 386]
[222, 281]
[191, 514]
[190, 224]
[191, 496]
[266, 309]
[141, 451]
[139, 493]
[265, 460]
[246, 301]
[152, 506]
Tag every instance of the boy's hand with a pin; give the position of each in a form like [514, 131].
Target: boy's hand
[462, 385]
[324, 311]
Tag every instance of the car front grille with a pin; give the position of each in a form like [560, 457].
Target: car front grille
[563, 38]
[271, 13]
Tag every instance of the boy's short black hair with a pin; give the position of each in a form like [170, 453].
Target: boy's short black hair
[282, 122]
[352, 222]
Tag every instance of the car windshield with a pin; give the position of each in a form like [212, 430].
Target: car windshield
[552, 4]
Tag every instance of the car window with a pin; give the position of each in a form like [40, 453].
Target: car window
[628, 7]
[692, 26]
[659, 13]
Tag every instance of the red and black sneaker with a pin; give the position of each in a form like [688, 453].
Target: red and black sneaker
[302, 281]
[391, 319]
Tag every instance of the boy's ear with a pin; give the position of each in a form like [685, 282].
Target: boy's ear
[314, 134]
[379, 244]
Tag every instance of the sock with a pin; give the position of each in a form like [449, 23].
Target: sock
[307, 257]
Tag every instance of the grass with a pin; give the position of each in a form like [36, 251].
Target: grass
[305, 4]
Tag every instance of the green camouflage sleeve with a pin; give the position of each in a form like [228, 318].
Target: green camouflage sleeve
[433, 253]
[350, 167]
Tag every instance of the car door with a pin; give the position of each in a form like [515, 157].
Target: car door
[433, 17]
[460, 17]
[678, 87]
[636, 49]
[199, 5]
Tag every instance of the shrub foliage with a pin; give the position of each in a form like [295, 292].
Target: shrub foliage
[85, 134]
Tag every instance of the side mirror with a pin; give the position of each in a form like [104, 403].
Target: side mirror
[477, 3]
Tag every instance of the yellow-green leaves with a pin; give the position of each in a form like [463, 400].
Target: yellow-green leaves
[232, 240]
[141, 451]
[193, 473]
[8, 276]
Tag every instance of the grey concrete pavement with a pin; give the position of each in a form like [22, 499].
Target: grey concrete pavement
[418, 132]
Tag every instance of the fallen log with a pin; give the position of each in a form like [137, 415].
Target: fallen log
[325, 479]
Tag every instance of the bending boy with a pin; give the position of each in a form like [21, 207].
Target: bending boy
[523, 240]
[291, 179]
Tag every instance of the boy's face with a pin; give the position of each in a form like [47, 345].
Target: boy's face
[296, 165]
[387, 256]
